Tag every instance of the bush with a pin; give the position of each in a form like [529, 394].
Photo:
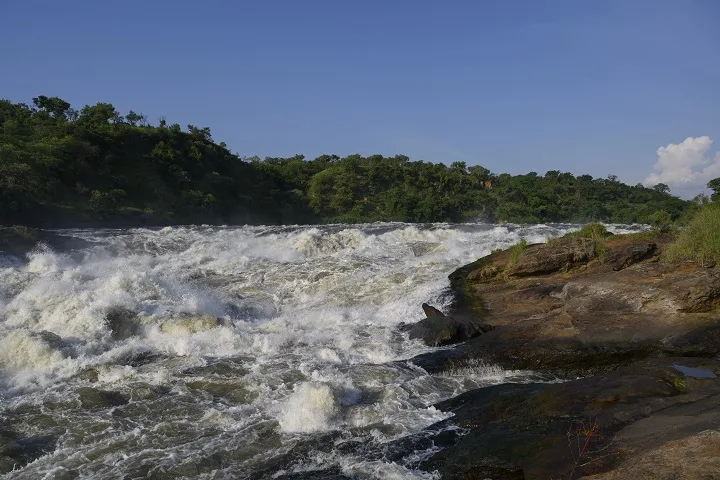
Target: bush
[595, 231]
[661, 221]
[106, 204]
[700, 241]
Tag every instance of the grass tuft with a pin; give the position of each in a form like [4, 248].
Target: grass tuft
[515, 251]
[594, 231]
[700, 240]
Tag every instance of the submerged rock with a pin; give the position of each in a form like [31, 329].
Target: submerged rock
[17, 451]
[123, 323]
[190, 324]
[92, 398]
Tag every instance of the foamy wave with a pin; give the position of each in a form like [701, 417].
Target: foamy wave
[311, 408]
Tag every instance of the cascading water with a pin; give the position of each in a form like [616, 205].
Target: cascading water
[230, 352]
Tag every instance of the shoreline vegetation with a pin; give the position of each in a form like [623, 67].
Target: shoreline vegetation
[95, 167]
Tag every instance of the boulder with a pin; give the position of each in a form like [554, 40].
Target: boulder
[439, 329]
[622, 252]
[559, 254]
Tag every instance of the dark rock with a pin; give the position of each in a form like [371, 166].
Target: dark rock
[431, 311]
[438, 329]
[93, 398]
[621, 252]
[18, 240]
[123, 323]
[17, 451]
[580, 427]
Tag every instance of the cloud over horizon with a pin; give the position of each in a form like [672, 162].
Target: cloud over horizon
[686, 167]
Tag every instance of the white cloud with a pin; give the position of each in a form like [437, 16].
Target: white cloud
[686, 167]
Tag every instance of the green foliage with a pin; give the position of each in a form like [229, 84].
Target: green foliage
[514, 251]
[61, 165]
[700, 240]
[105, 204]
[661, 222]
[595, 231]
[714, 185]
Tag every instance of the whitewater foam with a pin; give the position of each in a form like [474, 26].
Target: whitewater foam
[232, 346]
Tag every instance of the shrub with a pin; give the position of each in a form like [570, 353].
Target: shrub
[661, 221]
[595, 231]
[105, 204]
[700, 240]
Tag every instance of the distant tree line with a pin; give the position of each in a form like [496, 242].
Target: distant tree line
[61, 166]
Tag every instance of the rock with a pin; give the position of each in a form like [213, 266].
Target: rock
[189, 324]
[590, 319]
[123, 323]
[18, 240]
[92, 398]
[696, 456]
[17, 451]
[582, 427]
[438, 329]
[622, 252]
[233, 392]
[431, 311]
[559, 254]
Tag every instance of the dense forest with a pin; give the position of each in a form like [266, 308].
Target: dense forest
[60, 166]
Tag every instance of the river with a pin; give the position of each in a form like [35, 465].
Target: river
[231, 352]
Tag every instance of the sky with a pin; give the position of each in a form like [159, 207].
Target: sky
[623, 87]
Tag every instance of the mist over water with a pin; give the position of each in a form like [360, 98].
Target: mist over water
[232, 352]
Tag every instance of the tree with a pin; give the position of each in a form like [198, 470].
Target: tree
[133, 118]
[714, 185]
[662, 188]
[98, 114]
[57, 107]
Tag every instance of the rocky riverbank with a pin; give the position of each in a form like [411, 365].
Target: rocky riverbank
[636, 339]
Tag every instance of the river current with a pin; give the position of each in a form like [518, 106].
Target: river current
[231, 352]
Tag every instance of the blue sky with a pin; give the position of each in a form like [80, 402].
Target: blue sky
[516, 86]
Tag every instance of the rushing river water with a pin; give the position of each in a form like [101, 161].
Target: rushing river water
[230, 352]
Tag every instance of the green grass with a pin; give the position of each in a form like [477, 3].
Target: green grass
[594, 231]
[514, 251]
[700, 240]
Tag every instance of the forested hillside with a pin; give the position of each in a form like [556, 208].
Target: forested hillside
[61, 166]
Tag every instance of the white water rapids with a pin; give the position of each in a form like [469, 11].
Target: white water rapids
[231, 352]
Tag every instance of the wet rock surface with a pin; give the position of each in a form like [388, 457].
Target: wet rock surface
[439, 329]
[580, 427]
[645, 335]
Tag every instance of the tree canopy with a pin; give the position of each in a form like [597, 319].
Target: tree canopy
[60, 166]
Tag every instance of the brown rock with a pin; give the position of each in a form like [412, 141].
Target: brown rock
[621, 252]
[559, 254]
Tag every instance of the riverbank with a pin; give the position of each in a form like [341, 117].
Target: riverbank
[635, 336]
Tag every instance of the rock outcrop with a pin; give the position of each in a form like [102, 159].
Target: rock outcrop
[644, 334]
[576, 314]
[587, 426]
